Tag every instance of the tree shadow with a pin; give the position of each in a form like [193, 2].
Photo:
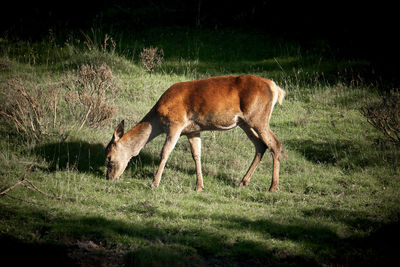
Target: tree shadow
[34, 254]
[182, 245]
[377, 248]
[156, 245]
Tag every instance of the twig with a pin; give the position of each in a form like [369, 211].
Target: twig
[87, 114]
[29, 170]
[33, 187]
[12, 187]
[23, 200]
[40, 191]
[22, 181]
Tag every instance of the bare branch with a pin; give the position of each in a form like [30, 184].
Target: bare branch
[28, 171]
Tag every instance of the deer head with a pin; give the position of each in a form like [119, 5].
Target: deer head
[117, 156]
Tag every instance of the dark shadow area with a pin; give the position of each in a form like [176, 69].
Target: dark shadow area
[211, 52]
[174, 246]
[19, 253]
[74, 155]
[342, 153]
[340, 31]
[376, 249]
[379, 248]
[165, 246]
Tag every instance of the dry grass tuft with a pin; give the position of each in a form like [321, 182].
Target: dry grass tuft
[151, 58]
[30, 112]
[91, 95]
[56, 109]
[385, 116]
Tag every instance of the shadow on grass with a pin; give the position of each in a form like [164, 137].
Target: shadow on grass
[154, 244]
[78, 155]
[90, 158]
[84, 157]
[19, 253]
[320, 152]
[346, 155]
[177, 245]
[377, 248]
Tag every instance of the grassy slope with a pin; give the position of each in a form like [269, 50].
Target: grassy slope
[338, 201]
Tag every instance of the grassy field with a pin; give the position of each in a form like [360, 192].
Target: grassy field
[338, 203]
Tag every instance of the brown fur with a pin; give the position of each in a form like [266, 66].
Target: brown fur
[218, 103]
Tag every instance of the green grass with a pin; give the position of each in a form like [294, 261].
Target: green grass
[338, 202]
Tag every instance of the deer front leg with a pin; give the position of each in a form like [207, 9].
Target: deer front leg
[195, 146]
[170, 142]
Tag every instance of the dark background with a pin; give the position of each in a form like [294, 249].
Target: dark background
[365, 30]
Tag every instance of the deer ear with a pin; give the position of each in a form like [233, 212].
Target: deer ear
[119, 131]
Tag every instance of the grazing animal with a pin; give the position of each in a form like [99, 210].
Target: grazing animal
[187, 108]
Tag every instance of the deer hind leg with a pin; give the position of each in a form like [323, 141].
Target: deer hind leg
[260, 150]
[195, 146]
[272, 142]
[170, 142]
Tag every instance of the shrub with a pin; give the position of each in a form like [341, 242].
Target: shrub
[37, 112]
[91, 94]
[29, 112]
[151, 58]
[385, 116]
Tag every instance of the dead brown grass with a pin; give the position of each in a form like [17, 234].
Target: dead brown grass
[151, 58]
[91, 95]
[385, 116]
[30, 112]
[85, 98]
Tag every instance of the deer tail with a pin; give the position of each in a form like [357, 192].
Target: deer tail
[281, 94]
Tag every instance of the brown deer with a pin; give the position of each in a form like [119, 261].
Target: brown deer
[187, 108]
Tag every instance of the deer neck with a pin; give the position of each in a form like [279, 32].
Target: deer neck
[137, 137]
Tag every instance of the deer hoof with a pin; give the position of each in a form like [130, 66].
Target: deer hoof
[199, 188]
[273, 189]
[243, 184]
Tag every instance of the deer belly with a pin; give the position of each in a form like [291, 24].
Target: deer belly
[222, 123]
[213, 122]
